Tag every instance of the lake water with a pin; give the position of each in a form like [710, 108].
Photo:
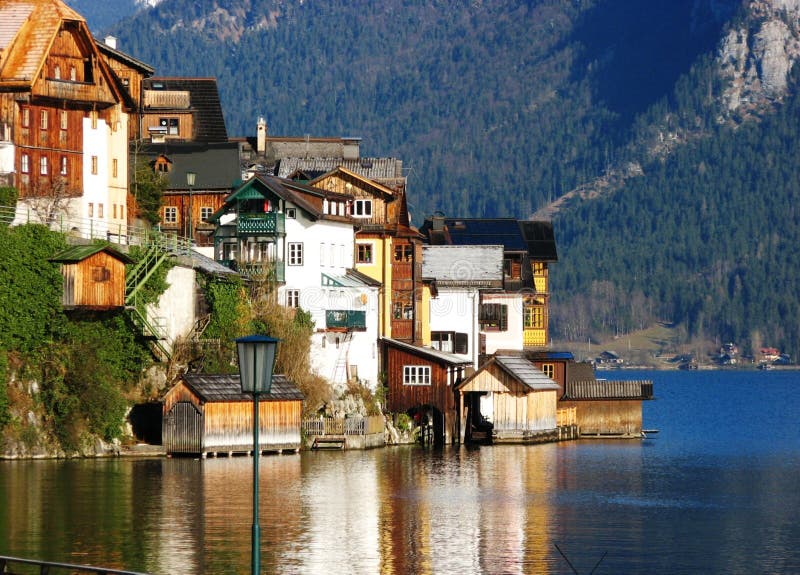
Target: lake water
[717, 490]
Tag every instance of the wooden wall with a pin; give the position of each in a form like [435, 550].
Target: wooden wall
[97, 282]
[608, 417]
[401, 397]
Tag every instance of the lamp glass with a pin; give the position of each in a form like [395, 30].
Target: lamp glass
[190, 177]
[256, 362]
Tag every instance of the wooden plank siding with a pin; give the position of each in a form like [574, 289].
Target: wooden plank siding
[96, 282]
[401, 398]
[604, 418]
[193, 426]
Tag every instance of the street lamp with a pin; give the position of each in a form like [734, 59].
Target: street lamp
[190, 178]
[256, 361]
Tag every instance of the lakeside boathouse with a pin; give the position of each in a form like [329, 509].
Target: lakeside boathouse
[209, 414]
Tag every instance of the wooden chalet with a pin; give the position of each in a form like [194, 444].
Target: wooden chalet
[423, 380]
[388, 249]
[94, 277]
[54, 86]
[209, 414]
[508, 400]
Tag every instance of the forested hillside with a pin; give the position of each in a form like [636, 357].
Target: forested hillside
[497, 108]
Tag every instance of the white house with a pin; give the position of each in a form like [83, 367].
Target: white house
[304, 238]
[463, 274]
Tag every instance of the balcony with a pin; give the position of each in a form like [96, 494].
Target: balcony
[268, 224]
[346, 319]
[272, 271]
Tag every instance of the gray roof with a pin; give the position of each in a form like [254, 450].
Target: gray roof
[525, 372]
[205, 264]
[216, 165]
[373, 168]
[480, 266]
[216, 388]
[428, 352]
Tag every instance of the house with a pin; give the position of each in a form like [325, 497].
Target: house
[421, 381]
[514, 397]
[463, 275]
[607, 408]
[517, 316]
[63, 119]
[209, 414]
[302, 238]
[188, 205]
[182, 109]
[94, 277]
[608, 359]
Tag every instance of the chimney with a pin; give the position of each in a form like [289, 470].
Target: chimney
[261, 136]
[111, 42]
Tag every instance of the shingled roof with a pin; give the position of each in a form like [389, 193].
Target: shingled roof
[218, 388]
[203, 99]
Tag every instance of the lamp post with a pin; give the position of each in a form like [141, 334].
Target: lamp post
[190, 179]
[256, 361]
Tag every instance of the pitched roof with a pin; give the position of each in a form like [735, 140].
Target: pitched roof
[218, 388]
[383, 170]
[479, 266]
[216, 164]
[76, 254]
[525, 372]
[28, 29]
[204, 99]
[533, 237]
[520, 369]
[428, 352]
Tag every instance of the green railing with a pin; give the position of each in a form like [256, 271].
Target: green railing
[274, 271]
[346, 319]
[271, 223]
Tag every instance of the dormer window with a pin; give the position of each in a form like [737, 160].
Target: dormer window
[362, 209]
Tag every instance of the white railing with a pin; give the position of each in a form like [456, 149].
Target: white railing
[91, 228]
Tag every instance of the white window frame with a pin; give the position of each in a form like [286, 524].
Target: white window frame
[43, 166]
[205, 213]
[295, 255]
[291, 213]
[416, 375]
[170, 214]
[362, 209]
[293, 298]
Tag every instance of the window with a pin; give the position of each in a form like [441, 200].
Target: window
[364, 253]
[170, 215]
[205, 213]
[403, 310]
[493, 317]
[416, 375]
[57, 72]
[90, 210]
[99, 210]
[295, 254]
[450, 341]
[25, 163]
[64, 119]
[26, 117]
[114, 166]
[549, 369]
[43, 165]
[64, 165]
[403, 253]
[93, 116]
[362, 209]
[73, 74]
[171, 125]
[94, 165]
[43, 117]
[533, 317]
[292, 298]
[115, 211]
[537, 268]
[100, 274]
[291, 213]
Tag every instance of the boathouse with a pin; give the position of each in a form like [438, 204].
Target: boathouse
[209, 414]
[94, 277]
[510, 399]
[607, 408]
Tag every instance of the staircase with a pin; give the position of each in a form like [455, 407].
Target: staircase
[340, 369]
[135, 279]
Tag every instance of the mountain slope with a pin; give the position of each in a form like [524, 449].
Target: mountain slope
[496, 107]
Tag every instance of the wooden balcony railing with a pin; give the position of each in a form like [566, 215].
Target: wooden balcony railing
[268, 224]
[346, 319]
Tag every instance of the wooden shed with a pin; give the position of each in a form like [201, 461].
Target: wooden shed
[209, 414]
[608, 408]
[513, 395]
[94, 276]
